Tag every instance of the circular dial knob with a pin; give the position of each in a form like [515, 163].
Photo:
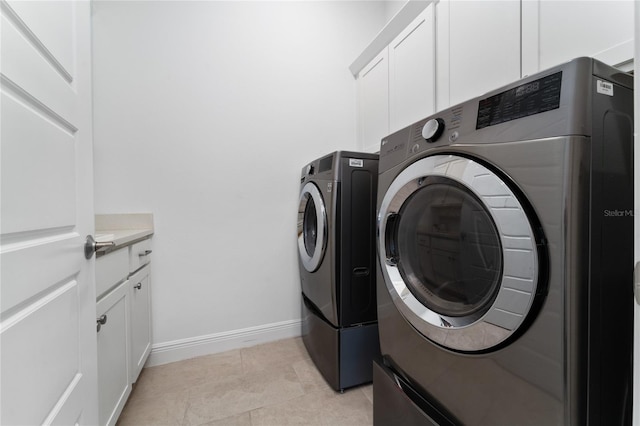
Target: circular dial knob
[433, 129]
[310, 169]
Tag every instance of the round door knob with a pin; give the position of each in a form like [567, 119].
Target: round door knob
[433, 129]
[91, 246]
[102, 320]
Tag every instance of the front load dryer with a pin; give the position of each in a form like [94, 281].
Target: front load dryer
[505, 244]
[336, 252]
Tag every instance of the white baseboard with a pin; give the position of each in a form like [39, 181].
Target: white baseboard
[178, 350]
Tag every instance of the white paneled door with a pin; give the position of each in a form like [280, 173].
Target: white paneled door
[47, 290]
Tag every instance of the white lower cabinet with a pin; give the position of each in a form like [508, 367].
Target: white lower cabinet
[140, 291]
[139, 255]
[114, 384]
[123, 325]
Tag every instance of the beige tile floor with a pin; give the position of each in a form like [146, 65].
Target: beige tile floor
[271, 384]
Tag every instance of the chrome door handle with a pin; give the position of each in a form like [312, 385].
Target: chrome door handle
[102, 320]
[138, 286]
[91, 246]
[145, 253]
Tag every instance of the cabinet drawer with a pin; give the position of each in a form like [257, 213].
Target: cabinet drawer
[110, 270]
[139, 254]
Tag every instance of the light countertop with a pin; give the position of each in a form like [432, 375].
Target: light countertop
[123, 229]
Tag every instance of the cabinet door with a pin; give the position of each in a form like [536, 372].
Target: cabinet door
[558, 31]
[442, 55]
[140, 285]
[412, 72]
[484, 47]
[373, 102]
[114, 385]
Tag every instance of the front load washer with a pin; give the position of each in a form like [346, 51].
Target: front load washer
[336, 252]
[505, 245]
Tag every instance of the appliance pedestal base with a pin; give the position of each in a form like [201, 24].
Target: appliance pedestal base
[344, 356]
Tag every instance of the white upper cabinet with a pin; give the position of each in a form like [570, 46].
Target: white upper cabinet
[412, 72]
[457, 49]
[373, 102]
[397, 87]
[554, 32]
[484, 46]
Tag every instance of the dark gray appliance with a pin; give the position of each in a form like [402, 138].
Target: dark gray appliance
[336, 252]
[505, 243]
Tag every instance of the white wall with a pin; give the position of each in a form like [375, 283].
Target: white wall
[205, 113]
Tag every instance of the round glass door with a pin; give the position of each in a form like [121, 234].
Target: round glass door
[312, 227]
[450, 249]
[458, 253]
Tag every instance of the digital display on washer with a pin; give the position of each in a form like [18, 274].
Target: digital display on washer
[522, 101]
